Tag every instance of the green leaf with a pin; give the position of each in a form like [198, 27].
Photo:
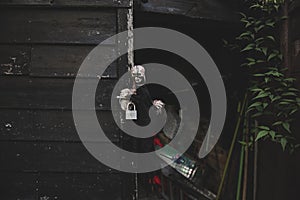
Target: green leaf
[256, 90]
[272, 68]
[289, 100]
[261, 134]
[264, 128]
[271, 38]
[255, 104]
[272, 134]
[255, 6]
[256, 29]
[264, 50]
[250, 59]
[259, 108]
[277, 123]
[248, 33]
[248, 47]
[265, 104]
[283, 142]
[261, 95]
[289, 94]
[279, 114]
[248, 24]
[242, 14]
[260, 61]
[275, 98]
[284, 103]
[243, 143]
[272, 55]
[259, 39]
[286, 126]
[293, 89]
[272, 23]
[293, 111]
[256, 115]
[290, 79]
[258, 75]
[225, 42]
[251, 63]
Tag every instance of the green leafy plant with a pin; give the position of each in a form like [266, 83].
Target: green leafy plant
[273, 99]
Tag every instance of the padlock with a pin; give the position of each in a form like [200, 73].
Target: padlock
[131, 112]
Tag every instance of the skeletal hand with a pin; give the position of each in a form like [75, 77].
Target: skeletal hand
[124, 97]
[158, 104]
[126, 93]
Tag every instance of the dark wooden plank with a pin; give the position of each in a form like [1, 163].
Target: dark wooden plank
[64, 61]
[14, 59]
[49, 125]
[26, 2]
[80, 186]
[15, 25]
[57, 25]
[44, 93]
[52, 186]
[18, 186]
[122, 26]
[68, 3]
[104, 3]
[49, 156]
[72, 26]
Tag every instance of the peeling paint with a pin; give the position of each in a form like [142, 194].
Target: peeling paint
[130, 37]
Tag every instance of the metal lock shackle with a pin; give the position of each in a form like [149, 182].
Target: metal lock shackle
[131, 103]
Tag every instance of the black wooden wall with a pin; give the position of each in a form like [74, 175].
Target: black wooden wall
[278, 171]
[42, 44]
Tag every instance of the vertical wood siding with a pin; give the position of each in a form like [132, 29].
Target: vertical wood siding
[42, 45]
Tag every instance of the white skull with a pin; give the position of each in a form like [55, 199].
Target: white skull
[138, 75]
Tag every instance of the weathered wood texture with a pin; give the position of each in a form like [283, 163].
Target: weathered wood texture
[18, 186]
[50, 125]
[68, 3]
[42, 45]
[57, 61]
[64, 61]
[45, 186]
[51, 157]
[122, 26]
[14, 59]
[48, 93]
[57, 26]
[25, 2]
[80, 186]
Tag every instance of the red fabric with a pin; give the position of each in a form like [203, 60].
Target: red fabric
[156, 180]
[157, 142]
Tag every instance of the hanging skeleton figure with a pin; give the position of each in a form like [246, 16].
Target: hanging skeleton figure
[139, 79]
[136, 102]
